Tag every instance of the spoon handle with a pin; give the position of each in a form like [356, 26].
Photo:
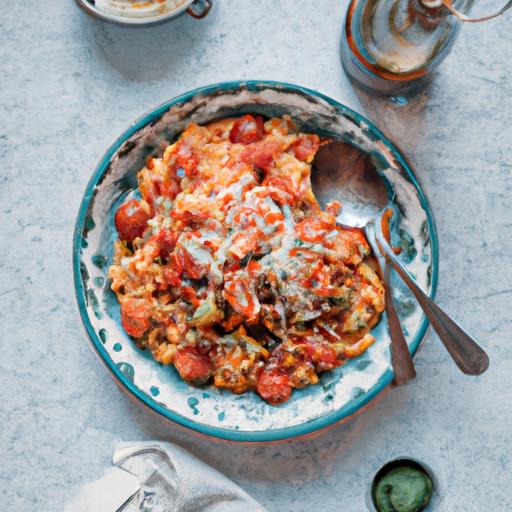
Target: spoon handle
[401, 360]
[466, 353]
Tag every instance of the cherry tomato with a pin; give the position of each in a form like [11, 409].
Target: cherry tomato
[261, 154]
[247, 129]
[193, 367]
[305, 147]
[130, 220]
[320, 354]
[182, 263]
[135, 315]
[274, 387]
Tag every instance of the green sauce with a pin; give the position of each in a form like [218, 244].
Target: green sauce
[403, 489]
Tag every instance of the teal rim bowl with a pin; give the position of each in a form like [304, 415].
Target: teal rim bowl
[94, 228]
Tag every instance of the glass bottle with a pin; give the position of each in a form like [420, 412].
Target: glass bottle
[392, 46]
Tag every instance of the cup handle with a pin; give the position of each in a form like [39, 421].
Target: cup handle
[199, 8]
[462, 17]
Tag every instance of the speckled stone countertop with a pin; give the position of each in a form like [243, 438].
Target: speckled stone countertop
[71, 84]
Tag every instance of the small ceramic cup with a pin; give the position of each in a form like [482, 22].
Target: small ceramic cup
[435, 475]
[143, 14]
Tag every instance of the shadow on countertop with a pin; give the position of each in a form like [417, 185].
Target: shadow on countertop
[295, 461]
[151, 53]
[401, 118]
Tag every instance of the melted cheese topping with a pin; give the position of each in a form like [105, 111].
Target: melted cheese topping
[236, 272]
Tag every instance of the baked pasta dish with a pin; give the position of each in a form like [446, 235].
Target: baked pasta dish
[227, 268]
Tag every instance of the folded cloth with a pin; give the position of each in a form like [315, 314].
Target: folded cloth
[161, 477]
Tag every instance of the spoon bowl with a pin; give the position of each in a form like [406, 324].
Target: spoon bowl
[344, 173]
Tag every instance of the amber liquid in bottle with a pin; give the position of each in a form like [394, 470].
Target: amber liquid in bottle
[392, 46]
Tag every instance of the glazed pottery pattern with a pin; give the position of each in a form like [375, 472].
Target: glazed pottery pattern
[208, 410]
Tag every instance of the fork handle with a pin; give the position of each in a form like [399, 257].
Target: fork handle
[401, 360]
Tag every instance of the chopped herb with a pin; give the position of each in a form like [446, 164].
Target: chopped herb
[261, 254]
[341, 302]
[363, 250]
[245, 260]
[299, 242]
[361, 324]
[259, 174]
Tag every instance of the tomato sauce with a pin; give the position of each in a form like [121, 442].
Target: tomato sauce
[227, 268]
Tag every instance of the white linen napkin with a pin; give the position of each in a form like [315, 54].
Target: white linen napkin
[161, 477]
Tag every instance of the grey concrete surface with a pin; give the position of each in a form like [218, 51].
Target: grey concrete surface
[71, 84]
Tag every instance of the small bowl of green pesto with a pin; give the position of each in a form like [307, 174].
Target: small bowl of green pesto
[402, 485]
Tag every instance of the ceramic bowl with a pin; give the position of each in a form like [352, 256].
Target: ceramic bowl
[143, 13]
[208, 410]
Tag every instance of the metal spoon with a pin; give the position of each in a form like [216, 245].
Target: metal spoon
[465, 351]
[342, 172]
